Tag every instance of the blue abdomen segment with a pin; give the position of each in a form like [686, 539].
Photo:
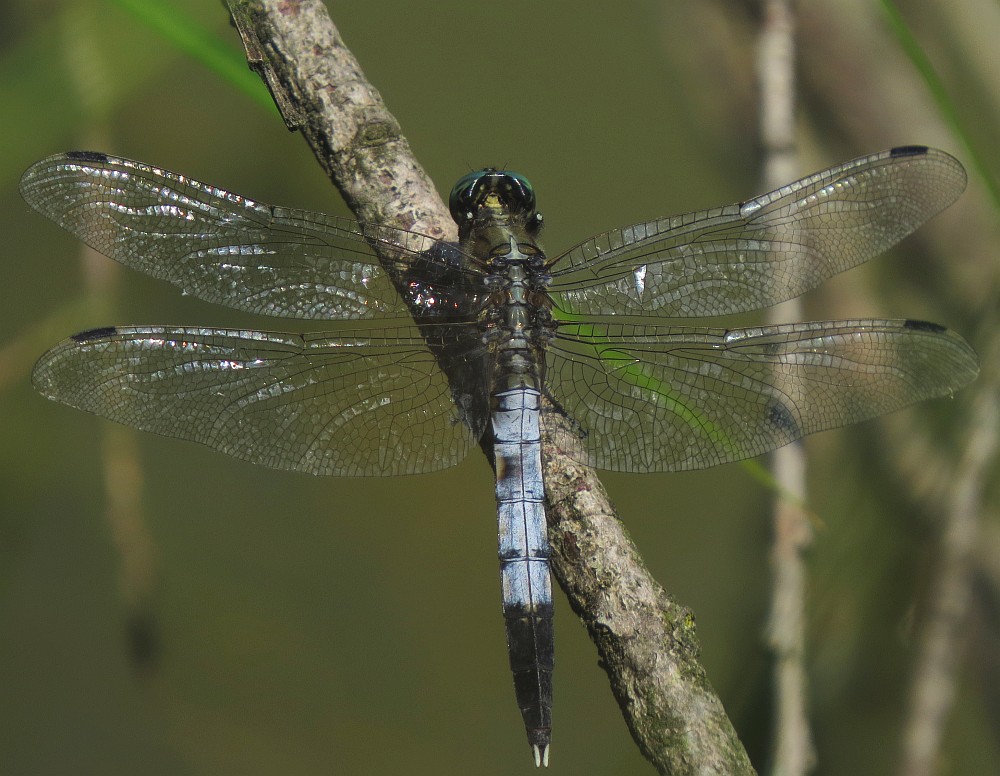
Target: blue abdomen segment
[524, 560]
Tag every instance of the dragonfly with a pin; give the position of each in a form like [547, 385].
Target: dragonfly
[445, 346]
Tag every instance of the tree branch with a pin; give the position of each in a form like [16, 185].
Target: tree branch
[793, 753]
[645, 639]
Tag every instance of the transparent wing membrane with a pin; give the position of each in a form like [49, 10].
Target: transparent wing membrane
[763, 251]
[662, 398]
[222, 247]
[648, 397]
[363, 403]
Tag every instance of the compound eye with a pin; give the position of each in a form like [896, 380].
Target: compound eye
[521, 192]
[512, 189]
[460, 200]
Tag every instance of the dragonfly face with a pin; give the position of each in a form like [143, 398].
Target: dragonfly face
[506, 191]
[448, 344]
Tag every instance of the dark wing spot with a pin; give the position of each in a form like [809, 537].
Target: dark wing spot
[87, 156]
[913, 150]
[94, 334]
[937, 328]
[781, 418]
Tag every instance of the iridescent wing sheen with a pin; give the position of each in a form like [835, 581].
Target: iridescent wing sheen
[225, 248]
[355, 403]
[763, 251]
[660, 398]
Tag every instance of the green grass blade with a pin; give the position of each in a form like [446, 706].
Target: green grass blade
[921, 62]
[200, 44]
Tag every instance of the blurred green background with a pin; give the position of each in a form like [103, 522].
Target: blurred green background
[257, 622]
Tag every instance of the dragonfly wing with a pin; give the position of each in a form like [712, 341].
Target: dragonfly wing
[220, 246]
[660, 398]
[757, 253]
[351, 404]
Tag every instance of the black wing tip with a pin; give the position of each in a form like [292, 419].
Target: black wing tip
[95, 334]
[965, 362]
[87, 156]
[908, 150]
[913, 323]
[40, 170]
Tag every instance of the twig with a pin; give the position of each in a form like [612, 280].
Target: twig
[120, 462]
[949, 492]
[645, 639]
[793, 751]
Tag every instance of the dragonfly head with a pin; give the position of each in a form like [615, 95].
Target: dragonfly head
[492, 193]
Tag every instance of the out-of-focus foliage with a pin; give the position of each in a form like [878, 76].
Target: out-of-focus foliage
[281, 623]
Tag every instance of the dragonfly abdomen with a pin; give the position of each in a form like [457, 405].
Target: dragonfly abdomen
[524, 559]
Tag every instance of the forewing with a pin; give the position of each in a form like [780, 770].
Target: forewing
[757, 253]
[220, 246]
[659, 398]
[351, 404]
